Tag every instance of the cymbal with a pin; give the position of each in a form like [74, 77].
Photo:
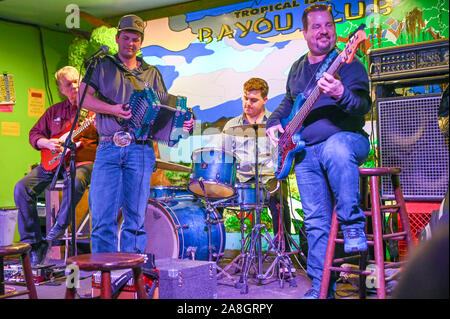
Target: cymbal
[253, 174]
[247, 130]
[171, 166]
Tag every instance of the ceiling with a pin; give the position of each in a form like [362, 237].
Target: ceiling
[52, 13]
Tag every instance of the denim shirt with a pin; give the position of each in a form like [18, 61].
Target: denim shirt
[244, 149]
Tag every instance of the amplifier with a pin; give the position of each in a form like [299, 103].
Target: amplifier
[415, 60]
[409, 137]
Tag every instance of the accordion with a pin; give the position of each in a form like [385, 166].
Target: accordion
[153, 118]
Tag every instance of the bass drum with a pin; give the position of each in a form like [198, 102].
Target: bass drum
[177, 228]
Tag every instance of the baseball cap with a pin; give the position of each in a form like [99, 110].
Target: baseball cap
[133, 23]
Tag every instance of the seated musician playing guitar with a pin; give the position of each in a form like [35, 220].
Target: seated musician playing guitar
[56, 120]
[333, 139]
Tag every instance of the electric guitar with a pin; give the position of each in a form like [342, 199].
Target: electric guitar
[290, 142]
[50, 159]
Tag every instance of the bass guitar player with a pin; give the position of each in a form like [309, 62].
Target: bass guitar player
[332, 143]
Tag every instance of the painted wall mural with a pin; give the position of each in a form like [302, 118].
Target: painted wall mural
[208, 55]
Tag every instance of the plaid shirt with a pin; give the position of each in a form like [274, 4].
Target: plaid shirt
[244, 149]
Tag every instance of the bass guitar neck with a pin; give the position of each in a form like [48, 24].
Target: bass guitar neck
[290, 142]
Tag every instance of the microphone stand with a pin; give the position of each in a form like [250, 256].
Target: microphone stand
[69, 144]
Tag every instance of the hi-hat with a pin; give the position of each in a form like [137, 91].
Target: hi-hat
[171, 166]
[247, 130]
[253, 174]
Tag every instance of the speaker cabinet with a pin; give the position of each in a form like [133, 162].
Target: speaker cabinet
[409, 138]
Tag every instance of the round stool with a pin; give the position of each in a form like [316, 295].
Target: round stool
[376, 239]
[22, 249]
[105, 262]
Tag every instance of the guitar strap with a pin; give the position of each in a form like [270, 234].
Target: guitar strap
[323, 67]
[326, 64]
[130, 74]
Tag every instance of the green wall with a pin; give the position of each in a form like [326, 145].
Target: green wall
[21, 56]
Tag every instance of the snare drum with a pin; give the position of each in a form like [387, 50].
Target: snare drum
[177, 228]
[246, 195]
[165, 193]
[216, 170]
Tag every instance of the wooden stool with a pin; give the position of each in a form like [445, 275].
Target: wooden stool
[22, 249]
[105, 262]
[375, 239]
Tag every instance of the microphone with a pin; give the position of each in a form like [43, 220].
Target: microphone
[103, 50]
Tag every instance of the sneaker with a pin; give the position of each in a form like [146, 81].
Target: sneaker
[311, 294]
[314, 294]
[354, 240]
[55, 232]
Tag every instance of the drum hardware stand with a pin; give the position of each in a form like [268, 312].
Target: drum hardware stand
[281, 246]
[255, 250]
[280, 259]
[287, 236]
[282, 263]
[235, 262]
[210, 207]
[292, 241]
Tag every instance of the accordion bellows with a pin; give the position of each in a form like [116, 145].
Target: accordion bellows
[158, 116]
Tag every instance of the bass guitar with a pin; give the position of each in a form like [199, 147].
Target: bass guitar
[50, 159]
[290, 142]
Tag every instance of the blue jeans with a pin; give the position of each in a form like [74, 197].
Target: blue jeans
[328, 174]
[33, 184]
[120, 179]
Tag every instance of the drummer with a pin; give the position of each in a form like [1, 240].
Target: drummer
[243, 145]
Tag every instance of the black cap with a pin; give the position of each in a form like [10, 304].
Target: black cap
[133, 23]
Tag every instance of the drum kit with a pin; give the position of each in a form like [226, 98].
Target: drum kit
[186, 223]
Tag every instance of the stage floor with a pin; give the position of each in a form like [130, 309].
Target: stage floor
[270, 288]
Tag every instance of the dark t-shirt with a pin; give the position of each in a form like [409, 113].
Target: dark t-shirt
[114, 83]
[328, 115]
